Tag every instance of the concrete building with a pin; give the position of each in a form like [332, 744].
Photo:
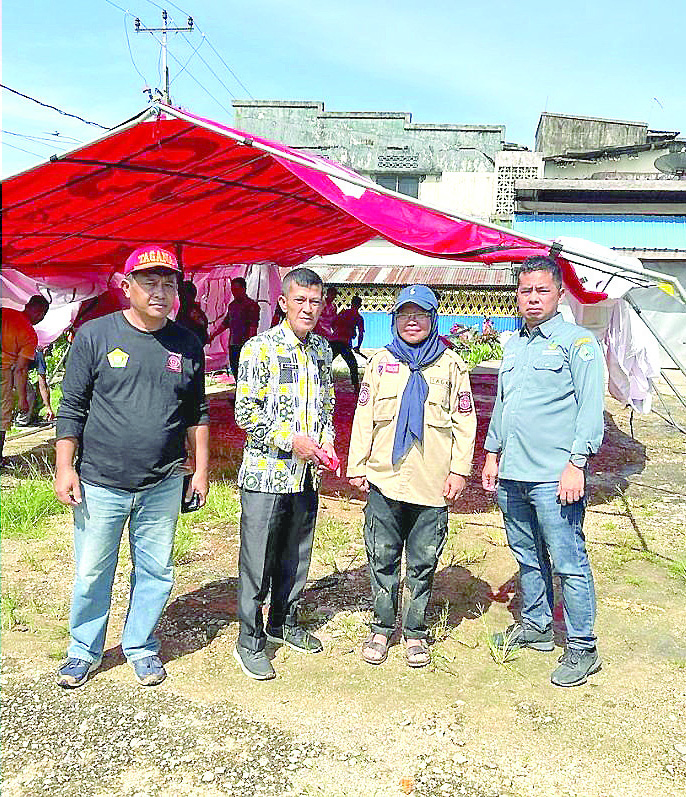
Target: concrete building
[611, 182]
[455, 167]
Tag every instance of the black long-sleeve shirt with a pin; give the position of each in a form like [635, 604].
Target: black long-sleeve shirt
[128, 397]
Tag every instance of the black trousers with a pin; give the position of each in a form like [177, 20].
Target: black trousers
[234, 357]
[422, 531]
[277, 532]
[346, 352]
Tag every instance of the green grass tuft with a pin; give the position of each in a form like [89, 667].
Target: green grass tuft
[27, 507]
[678, 568]
[10, 605]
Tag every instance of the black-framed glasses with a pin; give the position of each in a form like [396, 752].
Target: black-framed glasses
[405, 318]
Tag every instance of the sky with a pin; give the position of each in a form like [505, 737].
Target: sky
[444, 61]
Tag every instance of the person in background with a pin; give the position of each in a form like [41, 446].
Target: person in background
[132, 394]
[487, 328]
[191, 315]
[242, 319]
[348, 324]
[285, 402]
[546, 423]
[19, 341]
[411, 450]
[328, 315]
[31, 416]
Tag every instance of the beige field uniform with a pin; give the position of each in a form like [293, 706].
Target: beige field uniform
[449, 429]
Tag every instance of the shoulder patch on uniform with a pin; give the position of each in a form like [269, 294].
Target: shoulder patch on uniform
[117, 358]
[586, 353]
[364, 396]
[464, 402]
[581, 341]
[392, 368]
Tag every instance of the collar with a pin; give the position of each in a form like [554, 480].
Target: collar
[545, 329]
[290, 337]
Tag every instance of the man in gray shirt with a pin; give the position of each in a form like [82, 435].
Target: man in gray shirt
[547, 421]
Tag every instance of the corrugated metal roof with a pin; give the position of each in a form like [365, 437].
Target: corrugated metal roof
[617, 232]
[462, 276]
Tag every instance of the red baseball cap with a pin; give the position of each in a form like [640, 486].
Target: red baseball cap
[150, 256]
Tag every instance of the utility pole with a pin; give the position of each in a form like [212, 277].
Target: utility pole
[164, 30]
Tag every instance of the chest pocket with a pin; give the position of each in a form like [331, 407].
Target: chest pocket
[437, 407]
[387, 401]
[547, 370]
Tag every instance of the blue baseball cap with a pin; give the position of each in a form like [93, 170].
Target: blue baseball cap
[417, 294]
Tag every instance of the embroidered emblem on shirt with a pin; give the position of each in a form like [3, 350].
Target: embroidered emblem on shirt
[586, 353]
[117, 358]
[464, 402]
[392, 368]
[581, 341]
[174, 363]
[363, 398]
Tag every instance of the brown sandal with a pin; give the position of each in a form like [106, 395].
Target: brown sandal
[378, 647]
[417, 653]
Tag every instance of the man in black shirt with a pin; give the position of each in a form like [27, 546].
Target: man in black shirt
[133, 393]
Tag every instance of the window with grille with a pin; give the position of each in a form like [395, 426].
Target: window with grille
[407, 184]
[451, 301]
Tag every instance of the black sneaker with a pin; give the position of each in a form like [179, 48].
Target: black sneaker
[255, 665]
[75, 672]
[575, 666]
[295, 637]
[521, 636]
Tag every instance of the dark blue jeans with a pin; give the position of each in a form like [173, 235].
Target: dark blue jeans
[389, 527]
[540, 530]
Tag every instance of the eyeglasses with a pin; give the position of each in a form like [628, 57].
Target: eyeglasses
[405, 318]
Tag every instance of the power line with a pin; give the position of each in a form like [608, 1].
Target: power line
[43, 142]
[206, 90]
[28, 152]
[53, 107]
[202, 39]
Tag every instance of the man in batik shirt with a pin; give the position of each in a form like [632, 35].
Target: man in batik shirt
[284, 401]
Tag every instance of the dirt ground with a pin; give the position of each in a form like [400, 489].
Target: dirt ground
[331, 725]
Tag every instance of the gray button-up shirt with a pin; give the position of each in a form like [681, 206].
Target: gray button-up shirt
[549, 403]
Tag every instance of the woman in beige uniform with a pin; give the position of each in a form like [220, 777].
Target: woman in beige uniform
[411, 450]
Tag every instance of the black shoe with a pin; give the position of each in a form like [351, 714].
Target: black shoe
[575, 666]
[521, 636]
[254, 664]
[295, 637]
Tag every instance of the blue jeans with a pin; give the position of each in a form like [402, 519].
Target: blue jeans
[540, 530]
[99, 521]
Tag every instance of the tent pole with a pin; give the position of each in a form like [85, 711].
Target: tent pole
[632, 303]
[369, 185]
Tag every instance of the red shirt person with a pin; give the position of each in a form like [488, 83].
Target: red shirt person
[242, 319]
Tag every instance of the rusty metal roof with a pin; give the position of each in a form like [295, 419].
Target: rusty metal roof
[445, 276]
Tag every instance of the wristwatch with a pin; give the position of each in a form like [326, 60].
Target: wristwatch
[579, 460]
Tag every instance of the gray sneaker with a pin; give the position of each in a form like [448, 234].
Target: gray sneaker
[149, 670]
[75, 672]
[575, 666]
[295, 637]
[255, 665]
[521, 636]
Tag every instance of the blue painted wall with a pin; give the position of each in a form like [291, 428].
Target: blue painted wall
[377, 326]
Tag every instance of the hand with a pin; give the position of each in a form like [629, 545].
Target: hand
[453, 487]
[22, 403]
[572, 484]
[67, 486]
[305, 448]
[360, 482]
[49, 414]
[200, 485]
[489, 474]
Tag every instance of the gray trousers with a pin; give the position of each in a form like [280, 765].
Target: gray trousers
[277, 531]
[389, 527]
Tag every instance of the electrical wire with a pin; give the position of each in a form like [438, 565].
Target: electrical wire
[128, 44]
[202, 40]
[28, 152]
[38, 139]
[52, 107]
[34, 140]
[206, 90]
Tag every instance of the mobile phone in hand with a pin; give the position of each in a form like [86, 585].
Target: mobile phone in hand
[194, 502]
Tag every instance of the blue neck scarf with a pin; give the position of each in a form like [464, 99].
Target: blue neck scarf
[410, 422]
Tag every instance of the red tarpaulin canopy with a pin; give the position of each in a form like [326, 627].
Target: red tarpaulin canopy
[218, 196]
